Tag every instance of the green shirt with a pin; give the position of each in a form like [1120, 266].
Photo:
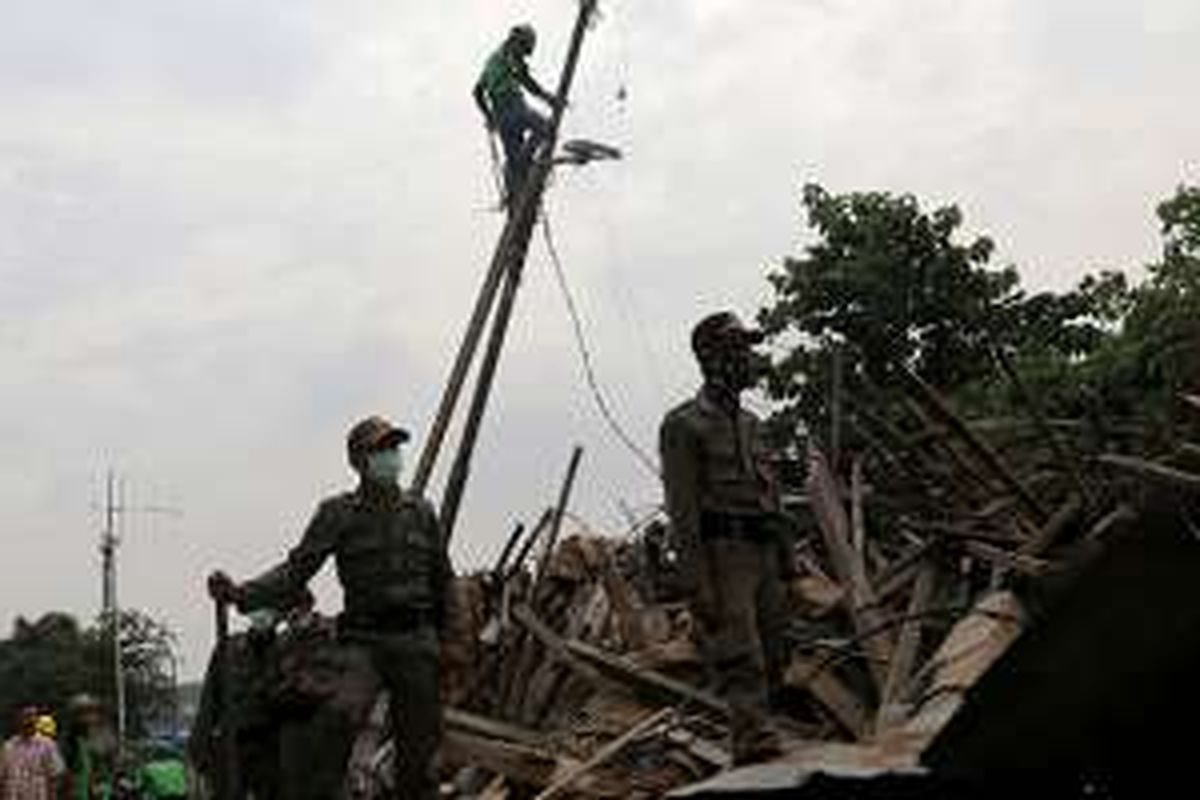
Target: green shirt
[503, 75]
[163, 778]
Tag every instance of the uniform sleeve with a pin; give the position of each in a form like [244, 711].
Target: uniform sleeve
[680, 451]
[278, 586]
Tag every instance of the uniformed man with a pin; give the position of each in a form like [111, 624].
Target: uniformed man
[725, 529]
[392, 564]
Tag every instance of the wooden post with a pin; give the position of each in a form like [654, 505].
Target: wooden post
[228, 780]
[484, 303]
[509, 546]
[564, 496]
[908, 646]
[530, 541]
[851, 573]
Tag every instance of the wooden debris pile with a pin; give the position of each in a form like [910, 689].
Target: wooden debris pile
[580, 684]
[580, 677]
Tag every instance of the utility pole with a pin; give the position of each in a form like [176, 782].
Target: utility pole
[508, 266]
[110, 611]
[114, 508]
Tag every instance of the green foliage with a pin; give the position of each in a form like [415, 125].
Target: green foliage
[43, 663]
[148, 652]
[886, 284]
[46, 662]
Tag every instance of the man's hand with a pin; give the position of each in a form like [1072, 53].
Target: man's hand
[222, 588]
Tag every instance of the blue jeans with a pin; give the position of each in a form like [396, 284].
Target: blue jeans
[522, 131]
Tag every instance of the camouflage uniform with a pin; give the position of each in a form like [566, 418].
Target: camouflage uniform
[725, 528]
[391, 561]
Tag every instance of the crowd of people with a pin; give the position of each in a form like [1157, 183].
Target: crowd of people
[83, 762]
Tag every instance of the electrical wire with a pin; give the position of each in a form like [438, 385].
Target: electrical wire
[585, 356]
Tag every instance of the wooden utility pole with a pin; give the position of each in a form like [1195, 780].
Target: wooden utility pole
[509, 262]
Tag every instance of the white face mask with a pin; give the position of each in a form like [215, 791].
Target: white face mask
[383, 466]
[264, 619]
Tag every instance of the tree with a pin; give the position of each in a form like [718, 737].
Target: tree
[44, 662]
[885, 284]
[1157, 354]
[48, 661]
[147, 659]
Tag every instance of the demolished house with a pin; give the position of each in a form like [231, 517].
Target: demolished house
[1030, 614]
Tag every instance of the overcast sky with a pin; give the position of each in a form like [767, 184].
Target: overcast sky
[229, 228]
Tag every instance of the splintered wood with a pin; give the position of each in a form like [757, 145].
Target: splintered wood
[580, 675]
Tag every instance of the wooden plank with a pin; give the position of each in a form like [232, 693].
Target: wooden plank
[606, 752]
[1122, 513]
[973, 645]
[523, 764]
[904, 571]
[907, 646]
[646, 681]
[554, 644]
[815, 677]
[708, 751]
[1054, 528]
[1026, 565]
[943, 452]
[457, 719]
[1064, 453]
[560, 508]
[964, 531]
[1156, 473]
[819, 592]
[497, 789]
[981, 449]
[851, 573]
[858, 522]
[518, 563]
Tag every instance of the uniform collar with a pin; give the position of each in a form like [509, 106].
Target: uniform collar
[368, 492]
[707, 400]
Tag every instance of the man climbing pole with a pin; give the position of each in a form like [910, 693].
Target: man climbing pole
[499, 94]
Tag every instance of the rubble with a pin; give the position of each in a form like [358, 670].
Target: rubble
[583, 679]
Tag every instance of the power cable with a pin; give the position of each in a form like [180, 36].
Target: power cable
[585, 356]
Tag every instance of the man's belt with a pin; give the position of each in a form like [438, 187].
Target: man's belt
[744, 527]
[399, 620]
